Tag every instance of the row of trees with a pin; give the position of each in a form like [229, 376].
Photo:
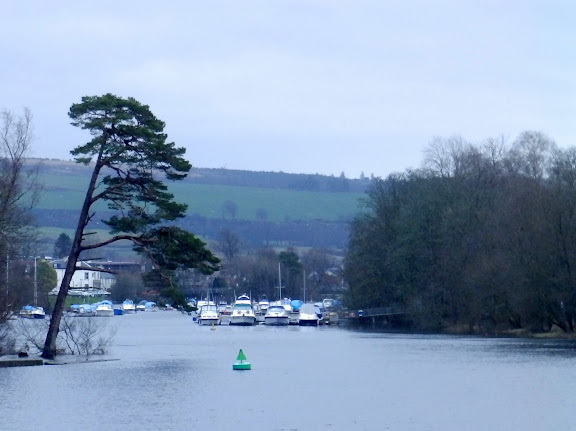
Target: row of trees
[280, 180]
[482, 237]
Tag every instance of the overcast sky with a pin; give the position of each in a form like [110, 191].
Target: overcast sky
[303, 86]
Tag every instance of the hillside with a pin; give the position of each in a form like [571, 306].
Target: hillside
[260, 207]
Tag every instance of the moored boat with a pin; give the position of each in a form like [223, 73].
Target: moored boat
[26, 312]
[31, 312]
[320, 312]
[222, 307]
[264, 303]
[38, 313]
[104, 309]
[84, 310]
[128, 306]
[294, 314]
[208, 315]
[276, 315]
[286, 303]
[258, 312]
[243, 299]
[296, 304]
[151, 306]
[307, 315]
[242, 312]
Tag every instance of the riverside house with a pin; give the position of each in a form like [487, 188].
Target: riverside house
[88, 276]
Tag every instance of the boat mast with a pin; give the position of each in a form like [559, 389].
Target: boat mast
[304, 282]
[279, 282]
[35, 284]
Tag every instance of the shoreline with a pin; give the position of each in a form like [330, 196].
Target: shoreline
[554, 334]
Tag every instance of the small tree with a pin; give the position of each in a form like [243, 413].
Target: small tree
[62, 246]
[127, 152]
[229, 209]
[292, 268]
[46, 278]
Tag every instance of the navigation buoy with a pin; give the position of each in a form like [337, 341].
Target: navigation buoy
[212, 328]
[241, 363]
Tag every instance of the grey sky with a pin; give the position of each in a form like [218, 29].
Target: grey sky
[303, 86]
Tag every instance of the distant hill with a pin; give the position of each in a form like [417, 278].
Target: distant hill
[232, 177]
[260, 207]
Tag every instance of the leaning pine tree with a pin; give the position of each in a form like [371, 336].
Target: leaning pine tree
[128, 151]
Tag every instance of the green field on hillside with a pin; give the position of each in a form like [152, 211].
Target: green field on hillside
[67, 192]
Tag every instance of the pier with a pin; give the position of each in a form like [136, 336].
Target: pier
[380, 315]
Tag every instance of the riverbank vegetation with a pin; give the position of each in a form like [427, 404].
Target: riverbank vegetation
[482, 236]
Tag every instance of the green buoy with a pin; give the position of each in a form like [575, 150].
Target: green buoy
[241, 363]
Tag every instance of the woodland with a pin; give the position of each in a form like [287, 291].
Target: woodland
[482, 238]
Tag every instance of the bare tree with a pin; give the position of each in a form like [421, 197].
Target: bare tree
[531, 154]
[317, 264]
[228, 244]
[445, 156]
[7, 340]
[77, 336]
[19, 187]
[19, 193]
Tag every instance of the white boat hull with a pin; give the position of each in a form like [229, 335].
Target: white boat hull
[85, 314]
[208, 321]
[36, 313]
[276, 320]
[246, 320]
[308, 322]
[293, 317]
[308, 315]
[105, 313]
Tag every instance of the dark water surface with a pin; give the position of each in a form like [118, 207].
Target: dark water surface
[175, 375]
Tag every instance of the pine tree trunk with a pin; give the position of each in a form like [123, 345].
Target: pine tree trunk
[49, 350]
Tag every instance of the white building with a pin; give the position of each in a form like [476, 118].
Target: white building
[88, 275]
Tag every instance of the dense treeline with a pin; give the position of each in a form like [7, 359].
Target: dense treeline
[280, 180]
[483, 237]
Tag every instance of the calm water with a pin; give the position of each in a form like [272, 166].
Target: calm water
[175, 375]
